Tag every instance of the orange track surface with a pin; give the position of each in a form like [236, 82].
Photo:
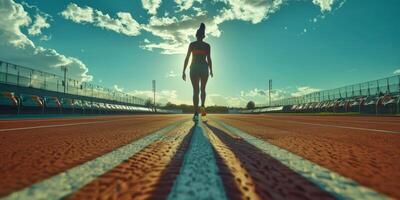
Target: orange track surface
[269, 178]
[142, 175]
[30, 155]
[370, 158]
[353, 146]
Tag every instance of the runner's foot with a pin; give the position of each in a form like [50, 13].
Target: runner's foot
[203, 111]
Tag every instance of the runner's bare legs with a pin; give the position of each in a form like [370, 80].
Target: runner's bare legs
[203, 83]
[195, 84]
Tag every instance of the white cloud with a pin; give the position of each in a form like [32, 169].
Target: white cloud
[45, 37]
[151, 6]
[176, 32]
[162, 97]
[397, 72]
[303, 91]
[17, 48]
[171, 74]
[325, 5]
[118, 89]
[39, 24]
[123, 23]
[257, 95]
[253, 93]
[78, 14]
[221, 100]
[250, 10]
[186, 4]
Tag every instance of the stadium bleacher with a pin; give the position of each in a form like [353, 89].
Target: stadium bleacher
[373, 97]
[33, 104]
[20, 94]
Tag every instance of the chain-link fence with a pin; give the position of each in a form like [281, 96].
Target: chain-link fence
[27, 77]
[389, 85]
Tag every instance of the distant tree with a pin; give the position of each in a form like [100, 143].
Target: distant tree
[148, 103]
[217, 109]
[250, 105]
[170, 105]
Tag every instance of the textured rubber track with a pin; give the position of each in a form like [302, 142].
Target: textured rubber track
[238, 184]
[371, 122]
[272, 180]
[372, 159]
[28, 156]
[199, 175]
[149, 174]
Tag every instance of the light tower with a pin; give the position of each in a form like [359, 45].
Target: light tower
[154, 93]
[269, 91]
[65, 69]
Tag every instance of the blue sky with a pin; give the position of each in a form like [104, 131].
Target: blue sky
[303, 45]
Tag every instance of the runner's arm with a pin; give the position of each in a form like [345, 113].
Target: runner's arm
[209, 61]
[186, 62]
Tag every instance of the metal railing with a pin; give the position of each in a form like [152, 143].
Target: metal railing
[389, 85]
[27, 77]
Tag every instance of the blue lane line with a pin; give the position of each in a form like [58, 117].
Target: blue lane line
[198, 177]
[65, 183]
[332, 182]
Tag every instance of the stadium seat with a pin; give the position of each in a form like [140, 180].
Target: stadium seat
[67, 105]
[87, 106]
[354, 104]
[369, 105]
[31, 104]
[387, 104]
[78, 106]
[340, 105]
[96, 108]
[52, 104]
[8, 103]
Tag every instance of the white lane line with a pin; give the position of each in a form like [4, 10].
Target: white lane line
[344, 121]
[65, 183]
[198, 177]
[332, 182]
[67, 118]
[337, 126]
[61, 125]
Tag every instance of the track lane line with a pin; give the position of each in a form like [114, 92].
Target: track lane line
[61, 125]
[243, 182]
[67, 182]
[332, 182]
[334, 126]
[198, 177]
[335, 120]
[142, 176]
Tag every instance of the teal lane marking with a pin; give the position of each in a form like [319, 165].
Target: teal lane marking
[65, 183]
[332, 182]
[198, 177]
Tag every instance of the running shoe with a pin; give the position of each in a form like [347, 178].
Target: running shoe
[203, 111]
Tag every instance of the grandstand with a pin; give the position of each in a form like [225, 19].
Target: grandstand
[27, 91]
[372, 97]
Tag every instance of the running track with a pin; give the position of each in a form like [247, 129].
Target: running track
[229, 157]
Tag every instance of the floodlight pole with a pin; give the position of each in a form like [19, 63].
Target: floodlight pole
[154, 93]
[269, 91]
[65, 69]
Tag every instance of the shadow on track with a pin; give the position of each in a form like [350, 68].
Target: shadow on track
[171, 172]
[272, 179]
